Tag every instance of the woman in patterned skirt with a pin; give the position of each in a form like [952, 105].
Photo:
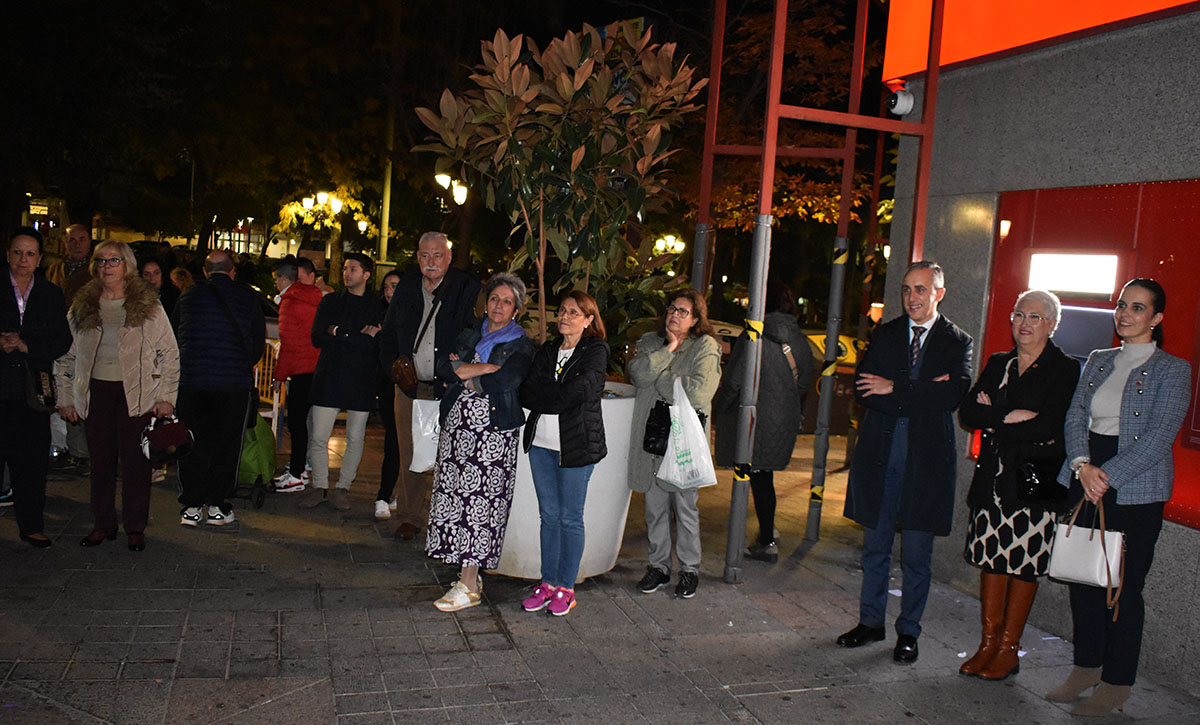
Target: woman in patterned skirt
[1020, 402]
[477, 451]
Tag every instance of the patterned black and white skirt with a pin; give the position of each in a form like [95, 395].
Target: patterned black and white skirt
[473, 485]
[1017, 543]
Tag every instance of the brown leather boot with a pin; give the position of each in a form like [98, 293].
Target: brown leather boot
[1016, 611]
[993, 589]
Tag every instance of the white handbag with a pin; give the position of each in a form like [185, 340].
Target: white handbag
[425, 432]
[1095, 557]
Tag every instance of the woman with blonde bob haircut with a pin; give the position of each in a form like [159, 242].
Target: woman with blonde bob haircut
[122, 370]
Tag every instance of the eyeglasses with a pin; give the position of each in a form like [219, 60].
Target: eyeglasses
[108, 261]
[681, 311]
[1033, 317]
[571, 312]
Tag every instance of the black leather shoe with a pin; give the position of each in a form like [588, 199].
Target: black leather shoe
[906, 649]
[860, 635]
[97, 537]
[42, 543]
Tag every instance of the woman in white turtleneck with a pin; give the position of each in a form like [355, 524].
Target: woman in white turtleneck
[1120, 429]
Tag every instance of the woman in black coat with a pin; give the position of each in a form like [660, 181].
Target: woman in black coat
[33, 332]
[785, 376]
[564, 437]
[1020, 403]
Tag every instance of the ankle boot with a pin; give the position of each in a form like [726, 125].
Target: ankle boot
[1103, 700]
[993, 588]
[1016, 611]
[1080, 679]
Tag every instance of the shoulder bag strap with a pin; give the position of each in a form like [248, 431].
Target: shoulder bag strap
[787, 353]
[437, 301]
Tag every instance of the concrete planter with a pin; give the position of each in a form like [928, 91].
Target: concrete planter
[604, 511]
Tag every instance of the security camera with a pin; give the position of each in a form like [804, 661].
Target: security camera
[900, 103]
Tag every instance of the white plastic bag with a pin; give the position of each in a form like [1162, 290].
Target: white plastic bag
[425, 431]
[687, 462]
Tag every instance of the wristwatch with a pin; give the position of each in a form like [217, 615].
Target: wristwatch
[1078, 464]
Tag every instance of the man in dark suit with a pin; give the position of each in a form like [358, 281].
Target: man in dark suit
[911, 378]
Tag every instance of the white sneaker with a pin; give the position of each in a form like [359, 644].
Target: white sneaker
[287, 483]
[392, 505]
[217, 517]
[191, 516]
[382, 511]
[459, 597]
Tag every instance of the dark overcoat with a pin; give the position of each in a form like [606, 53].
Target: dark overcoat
[780, 403]
[927, 493]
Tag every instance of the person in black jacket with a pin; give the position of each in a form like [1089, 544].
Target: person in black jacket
[476, 470]
[441, 299]
[1020, 403]
[221, 335]
[564, 437]
[785, 375]
[33, 332]
[344, 330]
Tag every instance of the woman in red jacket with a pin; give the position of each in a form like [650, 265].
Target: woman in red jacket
[297, 359]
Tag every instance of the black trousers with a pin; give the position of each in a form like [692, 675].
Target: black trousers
[25, 447]
[390, 470]
[297, 420]
[762, 487]
[217, 419]
[1099, 641]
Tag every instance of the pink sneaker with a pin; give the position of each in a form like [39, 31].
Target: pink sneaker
[539, 599]
[562, 602]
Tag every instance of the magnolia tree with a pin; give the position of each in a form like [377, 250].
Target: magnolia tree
[571, 142]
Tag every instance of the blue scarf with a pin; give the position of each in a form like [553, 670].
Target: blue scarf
[508, 333]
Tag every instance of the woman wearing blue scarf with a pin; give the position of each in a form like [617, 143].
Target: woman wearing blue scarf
[477, 451]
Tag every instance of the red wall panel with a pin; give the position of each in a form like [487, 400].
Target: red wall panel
[1153, 228]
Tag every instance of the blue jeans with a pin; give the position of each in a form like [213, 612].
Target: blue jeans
[916, 553]
[560, 493]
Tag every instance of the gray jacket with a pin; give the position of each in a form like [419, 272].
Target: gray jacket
[1153, 407]
[697, 361]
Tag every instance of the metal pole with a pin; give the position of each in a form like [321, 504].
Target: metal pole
[387, 185]
[837, 284]
[699, 252]
[759, 263]
[702, 249]
[916, 249]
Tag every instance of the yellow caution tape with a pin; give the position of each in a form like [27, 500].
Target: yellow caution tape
[741, 475]
[854, 423]
[755, 328]
[840, 256]
[818, 493]
[829, 369]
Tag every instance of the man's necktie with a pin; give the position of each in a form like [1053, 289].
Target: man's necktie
[915, 348]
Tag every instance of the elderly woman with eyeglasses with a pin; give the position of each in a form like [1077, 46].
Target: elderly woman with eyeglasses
[122, 370]
[476, 470]
[1020, 403]
[683, 348]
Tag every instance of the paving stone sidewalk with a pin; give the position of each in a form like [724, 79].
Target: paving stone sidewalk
[293, 616]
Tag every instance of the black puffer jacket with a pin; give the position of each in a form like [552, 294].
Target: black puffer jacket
[212, 355]
[575, 399]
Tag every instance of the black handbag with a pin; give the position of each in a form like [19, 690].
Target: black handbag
[1036, 476]
[658, 428]
[40, 392]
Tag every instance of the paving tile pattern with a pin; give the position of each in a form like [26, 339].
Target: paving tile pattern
[320, 616]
